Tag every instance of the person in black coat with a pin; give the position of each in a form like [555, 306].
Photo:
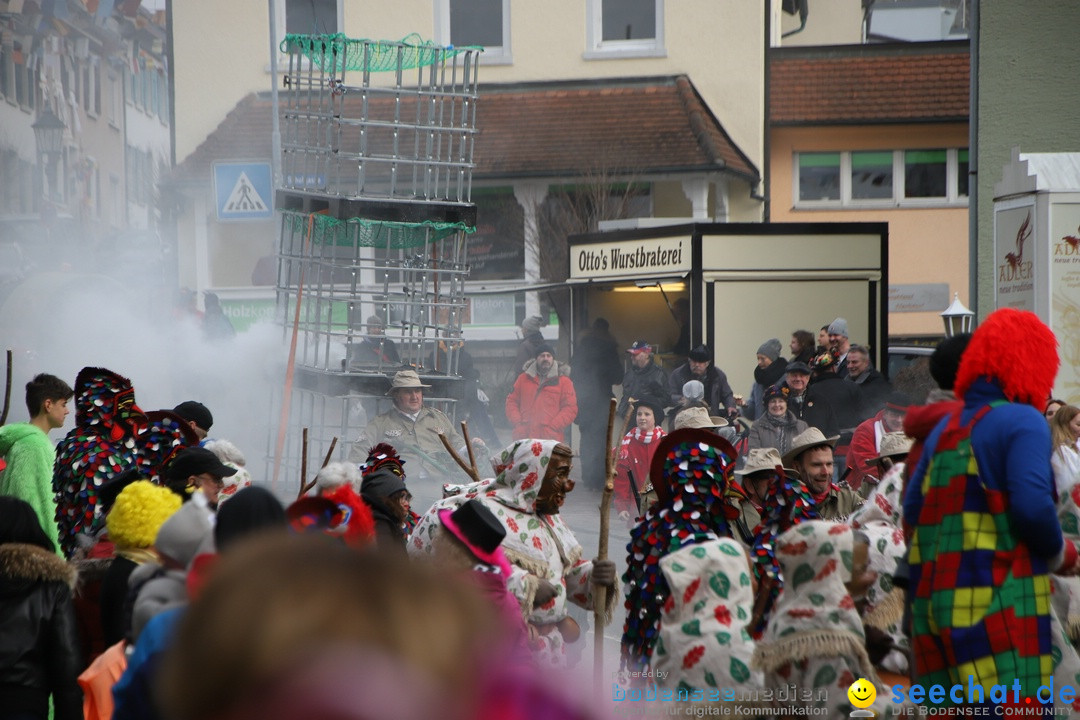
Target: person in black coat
[872, 384]
[845, 398]
[39, 651]
[594, 368]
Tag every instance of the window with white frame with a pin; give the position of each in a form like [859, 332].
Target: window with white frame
[306, 17]
[624, 28]
[476, 22]
[858, 178]
[312, 17]
[115, 98]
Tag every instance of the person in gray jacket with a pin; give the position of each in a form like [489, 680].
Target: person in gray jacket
[778, 426]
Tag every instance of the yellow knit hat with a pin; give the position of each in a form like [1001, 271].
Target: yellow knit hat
[139, 512]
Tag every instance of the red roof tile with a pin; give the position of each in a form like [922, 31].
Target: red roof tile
[912, 82]
[543, 130]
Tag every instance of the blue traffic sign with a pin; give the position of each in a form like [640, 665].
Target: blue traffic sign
[244, 190]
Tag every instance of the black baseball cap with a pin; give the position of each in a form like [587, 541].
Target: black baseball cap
[196, 412]
[196, 461]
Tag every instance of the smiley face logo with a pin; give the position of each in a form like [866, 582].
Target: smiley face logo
[862, 693]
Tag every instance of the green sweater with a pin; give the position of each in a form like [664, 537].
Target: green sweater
[30, 456]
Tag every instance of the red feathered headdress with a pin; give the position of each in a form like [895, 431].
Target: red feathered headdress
[380, 455]
[358, 527]
[1015, 348]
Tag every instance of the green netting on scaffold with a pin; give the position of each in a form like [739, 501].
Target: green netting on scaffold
[327, 230]
[338, 53]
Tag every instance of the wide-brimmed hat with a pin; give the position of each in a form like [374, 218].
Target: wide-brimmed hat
[894, 444]
[698, 417]
[809, 438]
[476, 527]
[405, 379]
[761, 459]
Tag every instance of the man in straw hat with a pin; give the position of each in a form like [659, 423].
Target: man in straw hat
[894, 449]
[811, 456]
[413, 429]
[762, 469]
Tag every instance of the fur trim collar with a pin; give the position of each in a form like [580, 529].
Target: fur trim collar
[21, 562]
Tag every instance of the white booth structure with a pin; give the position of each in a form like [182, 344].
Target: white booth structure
[1037, 250]
[744, 283]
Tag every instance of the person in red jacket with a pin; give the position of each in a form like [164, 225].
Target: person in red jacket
[635, 456]
[866, 440]
[542, 403]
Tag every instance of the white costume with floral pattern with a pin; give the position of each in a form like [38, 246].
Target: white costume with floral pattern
[540, 547]
[815, 638]
[879, 519]
[703, 638]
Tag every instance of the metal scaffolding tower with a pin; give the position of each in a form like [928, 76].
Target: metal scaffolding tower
[377, 159]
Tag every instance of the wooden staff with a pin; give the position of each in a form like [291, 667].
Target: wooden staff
[305, 487]
[7, 391]
[468, 446]
[303, 465]
[469, 470]
[600, 592]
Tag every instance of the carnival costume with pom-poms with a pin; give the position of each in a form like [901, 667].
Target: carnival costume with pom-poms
[986, 532]
[696, 503]
[101, 445]
[539, 546]
[787, 503]
[165, 434]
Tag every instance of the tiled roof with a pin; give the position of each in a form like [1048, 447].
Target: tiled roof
[543, 130]
[561, 129]
[911, 82]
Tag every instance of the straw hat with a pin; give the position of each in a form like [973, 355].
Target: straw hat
[405, 379]
[761, 459]
[893, 445]
[809, 438]
[698, 417]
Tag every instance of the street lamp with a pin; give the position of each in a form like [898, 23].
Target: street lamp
[49, 137]
[958, 319]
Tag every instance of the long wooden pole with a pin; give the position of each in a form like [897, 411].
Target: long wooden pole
[468, 446]
[600, 592]
[7, 391]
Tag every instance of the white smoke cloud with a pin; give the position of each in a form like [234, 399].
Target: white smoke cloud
[59, 322]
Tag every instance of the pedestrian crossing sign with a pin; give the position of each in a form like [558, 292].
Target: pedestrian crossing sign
[244, 190]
